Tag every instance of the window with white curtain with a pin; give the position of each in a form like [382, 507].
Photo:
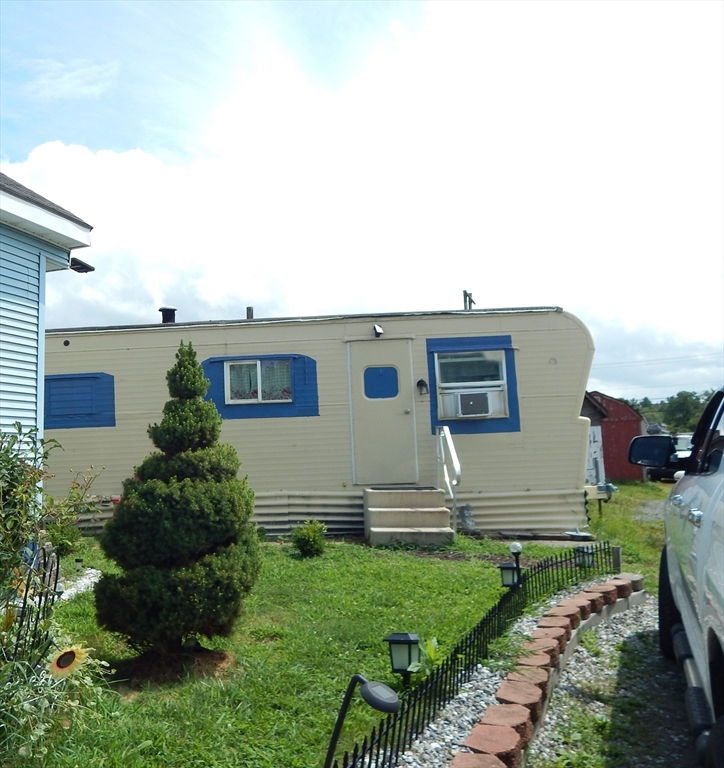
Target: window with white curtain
[267, 380]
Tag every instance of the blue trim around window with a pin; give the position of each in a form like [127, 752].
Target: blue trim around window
[78, 400]
[305, 396]
[511, 423]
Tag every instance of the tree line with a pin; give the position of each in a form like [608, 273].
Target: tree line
[679, 413]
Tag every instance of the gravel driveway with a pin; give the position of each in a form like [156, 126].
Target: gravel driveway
[617, 676]
[620, 678]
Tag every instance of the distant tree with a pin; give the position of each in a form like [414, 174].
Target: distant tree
[683, 410]
[679, 413]
[639, 405]
[182, 533]
[646, 405]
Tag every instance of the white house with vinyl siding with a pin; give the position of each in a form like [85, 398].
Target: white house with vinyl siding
[334, 416]
[36, 237]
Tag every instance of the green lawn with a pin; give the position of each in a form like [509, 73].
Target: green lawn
[639, 534]
[308, 626]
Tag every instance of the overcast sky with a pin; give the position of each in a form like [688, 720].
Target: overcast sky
[310, 158]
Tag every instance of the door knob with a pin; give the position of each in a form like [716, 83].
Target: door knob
[694, 517]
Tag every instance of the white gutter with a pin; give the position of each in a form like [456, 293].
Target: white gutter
[41, 223]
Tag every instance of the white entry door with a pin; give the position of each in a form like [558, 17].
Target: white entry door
[383, 418]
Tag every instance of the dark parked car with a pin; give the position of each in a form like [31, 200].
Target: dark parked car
[691, 574]
[677, 460]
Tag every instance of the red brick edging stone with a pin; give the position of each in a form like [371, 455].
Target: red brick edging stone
[623, 587]
[608, 591]
[546, 645]
[596, 600]
[578, 601]
[570, 612]
[538, 676]
[527, 694]
[515, 716]
[476, 760]
[556, 621]
[535, 660]
[499, 740]
[554, 633]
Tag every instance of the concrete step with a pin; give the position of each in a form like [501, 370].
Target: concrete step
[427, 537]
[400, 498]
[436, 517]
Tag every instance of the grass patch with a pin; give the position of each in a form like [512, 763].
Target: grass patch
[308, 626]
[628, 520]
[589, 641]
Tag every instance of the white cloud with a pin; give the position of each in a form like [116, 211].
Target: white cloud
[531, 153]
[78, 79]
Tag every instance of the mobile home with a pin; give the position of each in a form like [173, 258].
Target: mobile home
[327, 411]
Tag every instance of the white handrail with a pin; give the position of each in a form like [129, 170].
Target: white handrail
[447, 455]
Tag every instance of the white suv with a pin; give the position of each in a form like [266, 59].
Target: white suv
[691, 575]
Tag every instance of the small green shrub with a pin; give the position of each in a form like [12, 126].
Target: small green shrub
[63, 536]
[22, 456]
[60, 515]
[308, 539]
[430, 657]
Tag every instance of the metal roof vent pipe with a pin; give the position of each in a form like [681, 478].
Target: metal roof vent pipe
[250, 313]
[168, 314]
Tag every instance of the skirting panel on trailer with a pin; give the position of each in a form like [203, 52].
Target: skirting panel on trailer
[550, 512]
[279, 512]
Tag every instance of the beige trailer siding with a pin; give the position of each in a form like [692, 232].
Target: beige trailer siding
[302, 467]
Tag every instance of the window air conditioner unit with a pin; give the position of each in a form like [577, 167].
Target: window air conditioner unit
[474, 404]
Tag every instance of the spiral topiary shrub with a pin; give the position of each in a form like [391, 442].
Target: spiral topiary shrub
[181, 532]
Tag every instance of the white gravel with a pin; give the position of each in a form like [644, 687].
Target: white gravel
[82, 584]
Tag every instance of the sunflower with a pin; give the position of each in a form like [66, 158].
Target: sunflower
[67, 661]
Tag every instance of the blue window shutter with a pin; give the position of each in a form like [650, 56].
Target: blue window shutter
[76, 400]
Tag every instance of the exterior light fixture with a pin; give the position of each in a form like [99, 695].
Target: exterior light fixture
[404, 652]
[583, 557]
[80, 266]
[378, 330]
[422, 387]
[378, 695]
[510, 572]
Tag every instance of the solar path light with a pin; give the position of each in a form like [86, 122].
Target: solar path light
[583, 557]
[510, 572]
[378, 695]
[404, 652]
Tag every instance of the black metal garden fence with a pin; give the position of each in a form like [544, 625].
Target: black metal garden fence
[28, 604]
[396, 732]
